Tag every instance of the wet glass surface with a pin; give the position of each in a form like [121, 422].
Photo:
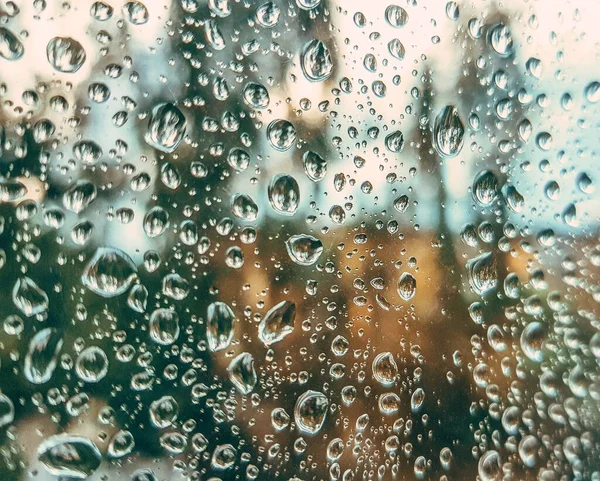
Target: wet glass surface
[299, 240]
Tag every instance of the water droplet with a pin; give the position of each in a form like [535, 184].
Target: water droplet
[396, 16]
[11, 48]
[544, 141]
[28, 297]
[87, 151]
[592, 92]
[79, 196]
[221, 8]
[304, 249]
[121, 444]
[101, 11]
[417, 399]
[164, 326]
[514, 199]
[532, 341]
[242, 373]
[310, 411]
[407, 286]
[396, 49]
[316, 61]
[490, 466]
[219, 326]
[156, 221]
[164, 411]
[65, 54]
[485, 188]
[213, 35]
[552, 190]
[223, 457]
[394, 142]
[92, 364]
[385, 369]
[11, 190]
[69, 456]
[267, 15]
[166, 128]
[585, 183]
[534, 67]
[42, 356]
[256, 95]
[448, 132]
[483, 273]
[7, 410]
[238, 159]
[501, 40]
[244, 207]
[452, 10]
[278, 323]
[389, 403]
[281, 135]
[315, 166]
[109, 272]
[308, 4]
[234, 257]
[284, 194]
[280, 419]
[136, 13]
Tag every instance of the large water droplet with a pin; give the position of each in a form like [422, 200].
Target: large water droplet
[396, 16]
[385, 368]
[87, 151]
[304, 249]
[166, 128]
[407, 286]
[490, 466]
[592, 92]
[267, 15]
[315, 166]
[7, 410]
[11, 190]
[256, 95]
[532, 341]
[109, 272]
[284, 194]
[69, 456]
[310, 411]
[79, 196]
[483, 273]
[242, 373]
[394, 142]
[219, 326]
[316, 61]
[281, 134]
[448, 132]
[156, 221]
[65, 54]
[278, 323]
[501, 40]
[121, 444]
[136, 13]
[42, 356]
[11, 48]
[485, 188]
[213, 35]
[164, 326]
[164, 411]
[92, 364]
[28, 297]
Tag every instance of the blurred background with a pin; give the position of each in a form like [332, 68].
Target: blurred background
[443, 157]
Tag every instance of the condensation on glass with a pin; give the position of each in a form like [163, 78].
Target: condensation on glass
[299, 240]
